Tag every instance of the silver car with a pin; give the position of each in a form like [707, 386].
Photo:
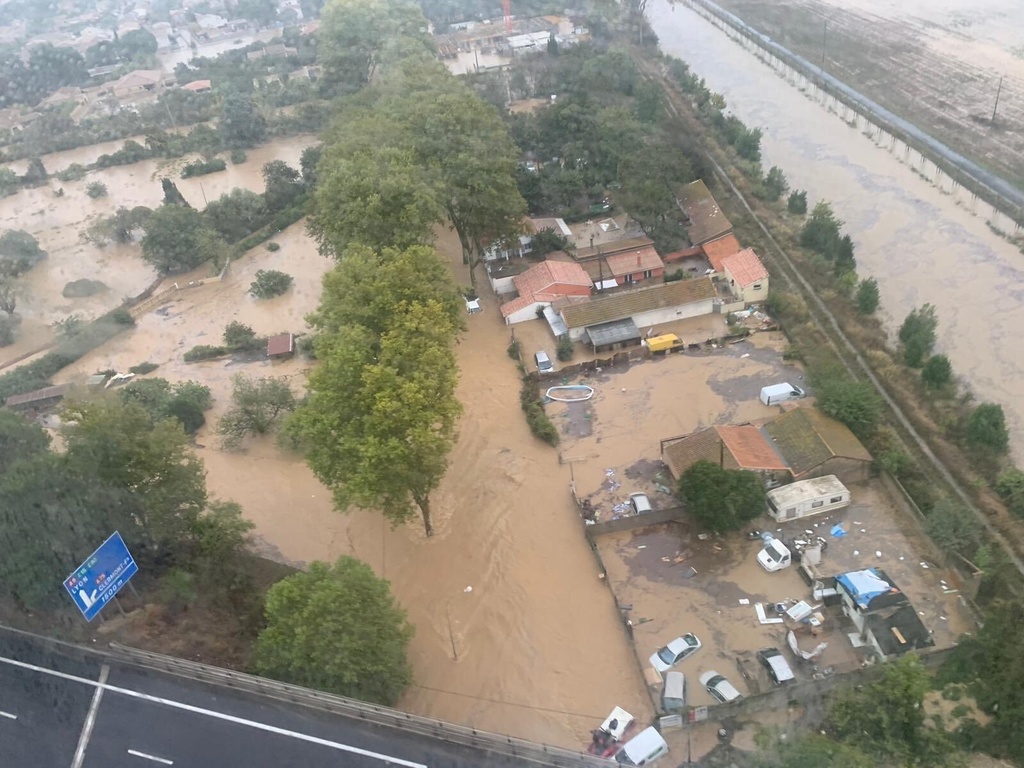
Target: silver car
[719, 687]
[640, 503]
[679, 649]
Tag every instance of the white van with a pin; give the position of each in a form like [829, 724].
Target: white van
[543, 362]
[775, 556]
[643, 749]
[673, 695]
[807, 497]
[780, 393]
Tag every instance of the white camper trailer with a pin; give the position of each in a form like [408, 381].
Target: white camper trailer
[807, 497]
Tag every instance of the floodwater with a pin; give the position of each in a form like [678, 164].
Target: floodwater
[515, 632]
[916, 240]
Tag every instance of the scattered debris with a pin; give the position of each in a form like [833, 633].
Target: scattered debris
[744, 601]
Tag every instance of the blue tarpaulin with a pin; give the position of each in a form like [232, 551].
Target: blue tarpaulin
[837, 531]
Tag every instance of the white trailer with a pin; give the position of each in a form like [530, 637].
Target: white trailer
[780, 393]
[807, 497]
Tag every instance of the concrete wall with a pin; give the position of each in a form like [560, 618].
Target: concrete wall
[670, 314]
[502, 284]
[635, 521]
[526, 313]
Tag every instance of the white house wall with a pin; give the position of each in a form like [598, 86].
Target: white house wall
[671, 314]
[502, 284]
[527, 313]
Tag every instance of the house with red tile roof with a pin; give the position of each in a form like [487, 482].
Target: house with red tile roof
[542, 284]
[747, 276]
[634, 265]
[731, 447]
[718, 250]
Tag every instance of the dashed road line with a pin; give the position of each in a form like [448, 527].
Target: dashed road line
[101, 685]
[154, 758]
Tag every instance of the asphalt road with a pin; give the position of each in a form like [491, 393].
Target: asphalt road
[67, 709]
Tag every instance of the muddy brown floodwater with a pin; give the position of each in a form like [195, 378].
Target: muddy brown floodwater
[917, 241]
[535, 648]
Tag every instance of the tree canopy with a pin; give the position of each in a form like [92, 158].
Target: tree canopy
[336, 628]
[917, 334]
[722, 499]
[177, 239]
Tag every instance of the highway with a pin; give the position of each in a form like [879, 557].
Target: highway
[63, 708]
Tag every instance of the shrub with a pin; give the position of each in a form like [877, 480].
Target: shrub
[937, 372]
[273, 247]
[19, 252]
[239, 337]
[143, 368]
[122, 316]
[775, 183]
[238, 156]
[83, 288]
[257, 407]
[204, 352]
[201, 168]
[918, 335]
[540, 425]
[95, 189]
[867, 296]
[797, 203]
[1010, 486]
[513, 349]
[270, 283]
[307, 346]
[73, 172]
[986, 428]
[855, 403]
[566, 349]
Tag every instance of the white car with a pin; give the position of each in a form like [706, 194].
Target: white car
[719, 687]
[641, 503]
[679, 649]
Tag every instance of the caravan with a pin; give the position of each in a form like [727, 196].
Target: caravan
[807, 497]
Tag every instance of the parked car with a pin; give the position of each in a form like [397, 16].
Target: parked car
[643, 749]
[778, 668]
[640, 502]
[543, 362]
[682, 647]
[719, 687]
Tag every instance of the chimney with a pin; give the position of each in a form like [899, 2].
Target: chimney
[638, 258]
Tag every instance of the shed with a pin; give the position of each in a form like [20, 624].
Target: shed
[706, 220]
[882, 613]
[618, 333]
[281, 345]
[814, 445]
[38, 399]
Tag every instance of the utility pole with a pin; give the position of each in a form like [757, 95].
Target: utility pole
[999, 90]
[824, 37]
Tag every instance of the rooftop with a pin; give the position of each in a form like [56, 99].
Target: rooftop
[900, 631]
[140, 78]
[198, 85]
[612, 248]
[707, 221]
[39, 395]
[871, 589]
[745, 267]
[807, 438]
[732, 447]
[614, 332]
[281, 344]
[634, 260]
[717, 250]
[622, 305]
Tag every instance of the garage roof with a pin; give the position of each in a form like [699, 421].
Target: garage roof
[622, 305]
[614, 332]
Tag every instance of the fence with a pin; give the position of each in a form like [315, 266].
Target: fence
[630, 522]
[1000, 194]
[357, 710]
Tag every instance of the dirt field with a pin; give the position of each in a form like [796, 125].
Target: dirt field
[936, 64]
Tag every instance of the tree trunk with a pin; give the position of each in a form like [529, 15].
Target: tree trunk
[423, 502]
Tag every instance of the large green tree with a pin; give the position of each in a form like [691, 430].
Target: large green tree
[886, 719]
[722, 499]
[917, 334]
[240, 125]
[854, 403]
[118, 445]
[177, 240]
[986, 428]
[379, 198]
[336, 628]
[236, 214]
[357, 36]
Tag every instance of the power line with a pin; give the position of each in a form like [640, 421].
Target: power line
[508, 703]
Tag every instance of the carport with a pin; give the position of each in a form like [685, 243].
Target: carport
[608, 336]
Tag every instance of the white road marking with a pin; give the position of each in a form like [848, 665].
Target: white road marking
[8, 715]
[90, 719]
[102, 685]
[154, 758]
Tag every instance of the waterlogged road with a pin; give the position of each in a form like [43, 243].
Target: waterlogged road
[917, 241]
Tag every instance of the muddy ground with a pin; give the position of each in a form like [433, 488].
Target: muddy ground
[937, 64]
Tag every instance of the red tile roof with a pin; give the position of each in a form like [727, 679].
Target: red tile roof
[197, 85]
[745, 267]
[631, 262]
[684, 253]
[541, 277]
[748, 445]
[718, 250]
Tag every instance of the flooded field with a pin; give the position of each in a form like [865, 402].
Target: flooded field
[920, 245]
[515, 631]
[937, 64]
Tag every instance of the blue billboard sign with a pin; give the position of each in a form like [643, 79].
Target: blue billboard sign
[95, 582]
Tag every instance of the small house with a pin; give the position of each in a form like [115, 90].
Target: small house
[705, 220]
[542, 284]
[730, 447]
[882, 613]
[746, 275]
[281, 346]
